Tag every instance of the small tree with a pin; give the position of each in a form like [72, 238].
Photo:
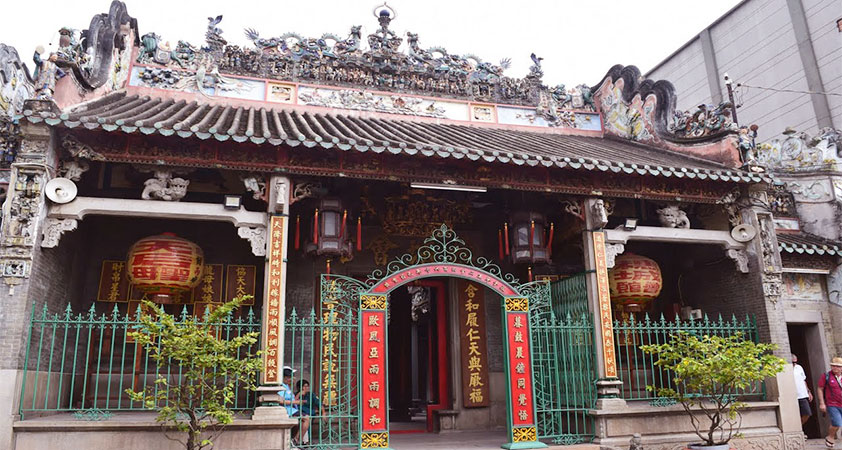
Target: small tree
[708, 372]
[205, 370]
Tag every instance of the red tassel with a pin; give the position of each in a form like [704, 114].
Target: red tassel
[500, 243]
[316, 227]
[506, 237]
[297, 232]
[342, 228]
[529, 271]
[532, 238]
[359, 235]
[327, 268]
[550, 241]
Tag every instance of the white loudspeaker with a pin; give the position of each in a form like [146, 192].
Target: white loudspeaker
[60, 190]
[743, 232]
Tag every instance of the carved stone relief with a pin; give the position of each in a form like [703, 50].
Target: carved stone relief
[673, 217]
[54, 228]
[164, 187]
[611, 253]
[256, 236]
[600, 214]
[79, 150]
[256, 185]
[73, 170]
[834, 285]
[740, 258]
[24, 208]
[811, 191]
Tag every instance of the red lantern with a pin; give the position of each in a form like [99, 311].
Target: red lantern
[164, 265]
[634, 282]
[330, 230]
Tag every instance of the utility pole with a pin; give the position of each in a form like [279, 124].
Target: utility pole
[730, 88]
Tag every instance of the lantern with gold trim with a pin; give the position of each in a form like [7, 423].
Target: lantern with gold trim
[330, 232]
[164, 265]
[524, 238]
[634, 282]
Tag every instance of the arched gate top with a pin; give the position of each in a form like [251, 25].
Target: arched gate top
[442, 254]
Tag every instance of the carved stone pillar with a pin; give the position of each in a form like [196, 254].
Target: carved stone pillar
[596, 263]
[22, 214]
[274, 302]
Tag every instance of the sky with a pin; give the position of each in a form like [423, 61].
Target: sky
[579, 41]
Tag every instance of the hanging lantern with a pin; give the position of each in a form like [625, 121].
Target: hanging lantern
[634, 282]
[330, 230]
[164, 265]
[527, 238]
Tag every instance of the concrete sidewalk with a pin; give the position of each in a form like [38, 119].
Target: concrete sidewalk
[485, 440]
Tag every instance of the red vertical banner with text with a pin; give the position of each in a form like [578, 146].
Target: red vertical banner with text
[472, 344]
[519, 361]
[373, 392]
[604, 296]
[273, 326]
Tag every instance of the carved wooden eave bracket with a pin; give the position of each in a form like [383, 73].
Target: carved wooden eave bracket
[251, 226]
[616, 240]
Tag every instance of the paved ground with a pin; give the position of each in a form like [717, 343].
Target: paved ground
[485, 440]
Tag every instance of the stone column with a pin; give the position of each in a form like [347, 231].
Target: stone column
[23, 213]
[608, 385]
[765, 261]
[274, 301]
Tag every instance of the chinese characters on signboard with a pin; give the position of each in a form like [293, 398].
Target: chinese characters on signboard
[472, 340]
[604, 296]
[520, 368]
[271, 347]
[240, 281]
[373, 359]
[330, 337]
[113, 283]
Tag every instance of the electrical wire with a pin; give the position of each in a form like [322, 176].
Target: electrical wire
[793, 91]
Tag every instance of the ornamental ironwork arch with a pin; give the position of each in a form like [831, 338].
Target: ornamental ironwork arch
[443, 253]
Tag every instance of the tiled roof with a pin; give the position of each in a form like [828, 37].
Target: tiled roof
[166, 116]
[802, 243]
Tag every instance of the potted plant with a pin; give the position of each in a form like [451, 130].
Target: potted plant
[707, 372]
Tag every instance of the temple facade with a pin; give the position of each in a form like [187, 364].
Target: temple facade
[430, 244]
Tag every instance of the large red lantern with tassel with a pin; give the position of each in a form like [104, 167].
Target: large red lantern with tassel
[164, 265]
[528, 240]
[330, 231]
[634, 282]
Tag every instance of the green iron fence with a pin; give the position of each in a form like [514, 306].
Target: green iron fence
[638, 370]
[83, 363]
[563, 360]
[323, 351]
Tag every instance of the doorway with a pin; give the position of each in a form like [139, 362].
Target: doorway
[805, 343]
[418, 382]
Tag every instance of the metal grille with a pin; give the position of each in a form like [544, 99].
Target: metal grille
[83, 363]
[563, 360]
[638, 370]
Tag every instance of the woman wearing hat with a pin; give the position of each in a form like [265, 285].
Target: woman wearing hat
[830, 399]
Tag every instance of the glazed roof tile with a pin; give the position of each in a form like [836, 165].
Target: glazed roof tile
[805, 243]
[165, 116]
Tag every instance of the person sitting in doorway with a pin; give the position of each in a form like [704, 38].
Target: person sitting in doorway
[830, 399]
[803, 394]
[310, 407]
[292, 404]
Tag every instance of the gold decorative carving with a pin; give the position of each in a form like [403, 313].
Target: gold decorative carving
[524, 434]
[517, 304]
[417, 215]
[369, 301]
[380, 246]
[374, 440]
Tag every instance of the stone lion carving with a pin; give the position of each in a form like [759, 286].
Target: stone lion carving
[600, 213]
[164, 187]
[673, 217]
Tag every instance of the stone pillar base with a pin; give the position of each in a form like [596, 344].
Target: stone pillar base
[608, 394]
[273, 413]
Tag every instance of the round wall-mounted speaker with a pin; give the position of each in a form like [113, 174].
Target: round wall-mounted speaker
[60, 190]
[743, 232]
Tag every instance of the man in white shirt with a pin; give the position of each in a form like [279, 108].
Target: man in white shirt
[805, 397]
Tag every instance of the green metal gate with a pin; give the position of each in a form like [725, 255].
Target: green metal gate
[563, 360]
[322, 347]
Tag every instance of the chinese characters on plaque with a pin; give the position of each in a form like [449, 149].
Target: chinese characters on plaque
[330, 357]
[271, 345]
[240, 280]
[604, 296]
[372, 363]
[472, 340]
[519, 368]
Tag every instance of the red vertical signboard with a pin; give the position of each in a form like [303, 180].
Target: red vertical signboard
[373, 390]
[519, 361]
